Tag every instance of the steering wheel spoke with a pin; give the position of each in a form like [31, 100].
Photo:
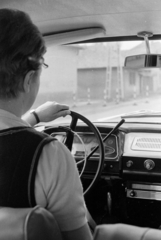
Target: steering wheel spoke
[80, 162]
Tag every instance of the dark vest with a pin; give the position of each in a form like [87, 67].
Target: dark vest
[20, 149]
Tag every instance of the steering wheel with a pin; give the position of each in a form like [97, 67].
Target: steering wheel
[69, 141]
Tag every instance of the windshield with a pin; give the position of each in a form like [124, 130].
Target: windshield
[92, 80]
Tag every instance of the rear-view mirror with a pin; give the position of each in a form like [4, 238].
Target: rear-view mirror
[143, 61]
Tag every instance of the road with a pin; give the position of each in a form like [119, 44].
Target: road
[96, 111]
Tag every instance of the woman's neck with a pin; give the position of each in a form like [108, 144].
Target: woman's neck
[14, 105]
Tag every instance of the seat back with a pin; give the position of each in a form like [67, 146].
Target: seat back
[28, 224]
[125, 232]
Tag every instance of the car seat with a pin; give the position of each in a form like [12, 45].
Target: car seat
[125, 232]
[28, 224]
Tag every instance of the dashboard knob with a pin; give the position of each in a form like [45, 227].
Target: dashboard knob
[129, 163]
[132, 193]
[149, 164]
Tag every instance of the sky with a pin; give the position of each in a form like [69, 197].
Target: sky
[129, 45]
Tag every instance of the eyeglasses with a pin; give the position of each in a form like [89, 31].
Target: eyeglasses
[42, 62]
[45, 65]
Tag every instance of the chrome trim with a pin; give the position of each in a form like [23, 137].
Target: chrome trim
[151, 195]
[116, 146]
[146, 187]
[152, 144]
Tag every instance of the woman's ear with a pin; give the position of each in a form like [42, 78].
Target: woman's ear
[28, 80]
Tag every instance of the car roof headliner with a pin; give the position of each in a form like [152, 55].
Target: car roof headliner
[119, 18]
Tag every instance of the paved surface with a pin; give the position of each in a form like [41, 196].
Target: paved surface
[96, 111]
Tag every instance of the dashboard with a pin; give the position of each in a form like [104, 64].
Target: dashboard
[131, 170]
[84, 143]
[133, 149]
[132, 155]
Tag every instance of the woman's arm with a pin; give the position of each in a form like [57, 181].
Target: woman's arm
[47, 112]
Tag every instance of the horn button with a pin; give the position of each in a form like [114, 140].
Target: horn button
[149, 164]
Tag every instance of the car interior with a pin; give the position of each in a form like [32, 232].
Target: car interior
[106, 55]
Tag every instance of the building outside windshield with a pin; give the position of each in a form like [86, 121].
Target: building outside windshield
[92, 80]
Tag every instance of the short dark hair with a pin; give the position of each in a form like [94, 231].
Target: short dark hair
[21, 49]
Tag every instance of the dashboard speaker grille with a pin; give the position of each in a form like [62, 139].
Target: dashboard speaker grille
[144, 144]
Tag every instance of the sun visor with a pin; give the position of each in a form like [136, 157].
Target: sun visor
[75, 36]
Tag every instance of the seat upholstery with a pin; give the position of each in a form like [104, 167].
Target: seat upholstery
[28, 224]
[125, 232]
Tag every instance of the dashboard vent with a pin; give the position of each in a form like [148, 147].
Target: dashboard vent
[144, 144]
